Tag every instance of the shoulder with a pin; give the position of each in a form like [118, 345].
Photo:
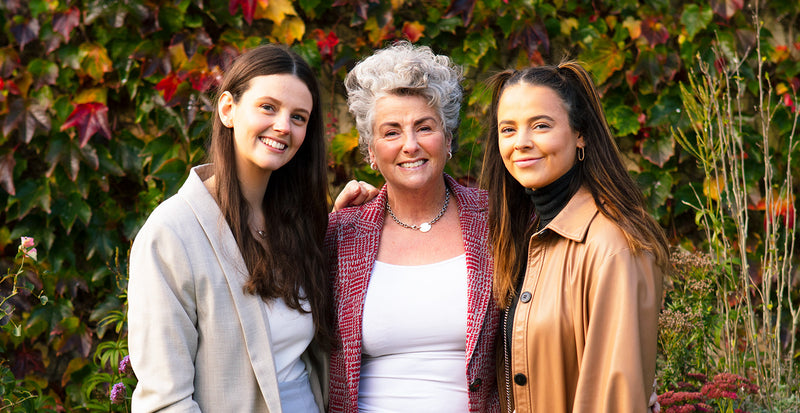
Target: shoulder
[468, 197]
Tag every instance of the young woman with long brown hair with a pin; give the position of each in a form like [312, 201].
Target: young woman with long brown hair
[228, 295]
[578, 260]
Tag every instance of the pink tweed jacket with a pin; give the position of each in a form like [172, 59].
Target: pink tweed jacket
[352, 241]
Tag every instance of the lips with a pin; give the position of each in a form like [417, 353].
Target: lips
[272, 143]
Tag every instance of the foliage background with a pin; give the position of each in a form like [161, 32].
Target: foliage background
[104, 107]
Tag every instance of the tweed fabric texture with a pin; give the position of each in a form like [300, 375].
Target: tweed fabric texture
[352, 242]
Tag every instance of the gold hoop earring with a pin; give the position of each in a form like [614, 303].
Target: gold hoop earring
[581, 153]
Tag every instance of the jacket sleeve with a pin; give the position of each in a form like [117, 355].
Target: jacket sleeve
[623, 300]
[161, 320]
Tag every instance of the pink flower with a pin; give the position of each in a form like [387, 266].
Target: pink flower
[31, 253]
[27, 242]
[125, 366]
[118, 393]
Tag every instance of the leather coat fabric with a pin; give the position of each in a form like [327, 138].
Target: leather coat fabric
[197, 341]
[585, 328]
[352, 241]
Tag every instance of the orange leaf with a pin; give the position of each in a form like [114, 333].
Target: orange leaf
[413, 30]
[94, 61]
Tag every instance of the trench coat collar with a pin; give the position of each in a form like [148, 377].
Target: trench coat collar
[574, 220]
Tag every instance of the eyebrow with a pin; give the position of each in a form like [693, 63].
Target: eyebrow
[416, 123]
[529, 120]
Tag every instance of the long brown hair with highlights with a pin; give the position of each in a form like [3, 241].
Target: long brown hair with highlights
[511, 213]
[292, 266]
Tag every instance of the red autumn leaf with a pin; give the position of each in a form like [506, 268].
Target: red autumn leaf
[727, 8]
[413, 30]
[248, 8]
[654, 31]
[169, 84]
[7, 164]
[461, 8]
[326, 44]
[25, 32]
[201, 80]
[27, 116]
[66, 22]
[89, 118]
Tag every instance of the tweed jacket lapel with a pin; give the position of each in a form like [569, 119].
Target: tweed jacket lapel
[472, 216]
[363, 234]
[250, 308]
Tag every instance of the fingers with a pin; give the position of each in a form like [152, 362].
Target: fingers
[354, 193]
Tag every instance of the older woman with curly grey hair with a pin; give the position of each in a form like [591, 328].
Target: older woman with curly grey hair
[411, 272]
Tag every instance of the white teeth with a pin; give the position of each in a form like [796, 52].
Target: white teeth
[412, 164]
[272, 144]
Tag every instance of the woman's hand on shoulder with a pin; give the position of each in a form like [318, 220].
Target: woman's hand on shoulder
[354, 193]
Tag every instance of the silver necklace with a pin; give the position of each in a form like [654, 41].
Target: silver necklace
[425, 226]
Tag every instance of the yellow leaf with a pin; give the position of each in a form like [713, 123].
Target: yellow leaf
[99, 95]
[634, 27]
[397, 4]
[712, 187]
[177, 55]
[293, 28]
[781, 88]
[275, 10]
[568, 25]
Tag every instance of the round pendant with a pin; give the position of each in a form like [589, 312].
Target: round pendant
[424, 227]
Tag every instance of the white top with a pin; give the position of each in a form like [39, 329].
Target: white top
[290, 334]
[414, 338]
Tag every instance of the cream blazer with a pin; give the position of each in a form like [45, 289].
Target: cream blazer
[197, 341]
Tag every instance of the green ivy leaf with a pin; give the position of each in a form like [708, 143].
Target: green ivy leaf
[623, 119]
[603, 58]
[71, 208]
[695, 19]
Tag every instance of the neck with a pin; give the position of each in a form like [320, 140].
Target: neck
[417, 205]
[254, 186]
[549, 200]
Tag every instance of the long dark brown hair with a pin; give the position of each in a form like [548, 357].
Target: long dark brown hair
[292, 266]
[511, 220]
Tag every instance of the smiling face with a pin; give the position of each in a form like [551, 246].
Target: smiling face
[269, 122]
[408, 145]
[535, 139]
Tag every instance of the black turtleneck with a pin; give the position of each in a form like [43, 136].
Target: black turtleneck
[548, 201]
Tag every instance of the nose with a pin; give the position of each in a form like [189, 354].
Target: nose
[410, 143]
[522, 141]
[283, 123]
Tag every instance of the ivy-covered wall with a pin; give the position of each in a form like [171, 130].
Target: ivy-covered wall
[104, 107]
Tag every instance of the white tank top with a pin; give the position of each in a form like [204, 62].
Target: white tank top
[414, 338]
[290, 333]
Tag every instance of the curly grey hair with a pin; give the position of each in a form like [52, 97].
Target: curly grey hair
[403, 69]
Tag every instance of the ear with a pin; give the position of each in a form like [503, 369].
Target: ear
[226, 108]
[581, 142]
[371, 158]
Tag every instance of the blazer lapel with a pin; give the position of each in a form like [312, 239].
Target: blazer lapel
[479, 270]
[363, 234]
[250, 308]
